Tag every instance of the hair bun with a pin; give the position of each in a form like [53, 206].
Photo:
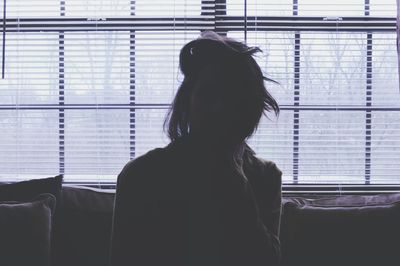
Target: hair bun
[211, 49]
[199, 53]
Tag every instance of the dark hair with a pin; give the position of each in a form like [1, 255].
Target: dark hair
[237, 71]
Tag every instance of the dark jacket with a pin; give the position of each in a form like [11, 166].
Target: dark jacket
[185, 205]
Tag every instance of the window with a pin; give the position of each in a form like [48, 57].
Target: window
[87, 84]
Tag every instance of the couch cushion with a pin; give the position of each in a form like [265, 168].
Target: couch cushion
[344, 230]
[353, 200]
[25, 231]
[26, 190]
[84, 231]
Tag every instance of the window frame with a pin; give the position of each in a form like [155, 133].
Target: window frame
[221, 23]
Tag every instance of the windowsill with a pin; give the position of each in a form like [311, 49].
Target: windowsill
[287, 189]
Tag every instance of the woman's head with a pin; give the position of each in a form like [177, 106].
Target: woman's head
[223, 93]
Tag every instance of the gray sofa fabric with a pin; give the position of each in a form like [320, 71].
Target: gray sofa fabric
[343, 230]
[327, 230]
[83, 227]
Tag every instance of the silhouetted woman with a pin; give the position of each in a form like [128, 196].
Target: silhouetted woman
[205, 199]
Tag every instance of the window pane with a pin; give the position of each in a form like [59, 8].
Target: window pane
[385, 147]
[31, 69]
[332, 147]
[163, 8]
[338, 8]
[157, 65]
[385, 78]
[149, 130]
[29, 8]
[383, 8]
[260, 8]
[96, 144]
[28, 144]
[97, 67]
[274, 141]
[97, 8]
[332, 68]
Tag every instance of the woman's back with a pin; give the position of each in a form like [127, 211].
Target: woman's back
[185, 205]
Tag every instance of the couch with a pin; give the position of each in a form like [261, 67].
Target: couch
[325, 230]
[319, 230]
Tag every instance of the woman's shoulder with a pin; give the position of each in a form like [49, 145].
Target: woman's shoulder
[254, 161]
[144, 164]
[263, 169]
[269, 167]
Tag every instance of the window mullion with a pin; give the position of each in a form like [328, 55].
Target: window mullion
[220, 11]
[368, 102]
[296, 99]
[132, 88]
[245, 20]
[61, 98]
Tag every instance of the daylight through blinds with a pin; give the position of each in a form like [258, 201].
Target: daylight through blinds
[88, 83]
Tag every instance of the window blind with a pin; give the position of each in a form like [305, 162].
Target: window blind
[336, 63]
[88, 84]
